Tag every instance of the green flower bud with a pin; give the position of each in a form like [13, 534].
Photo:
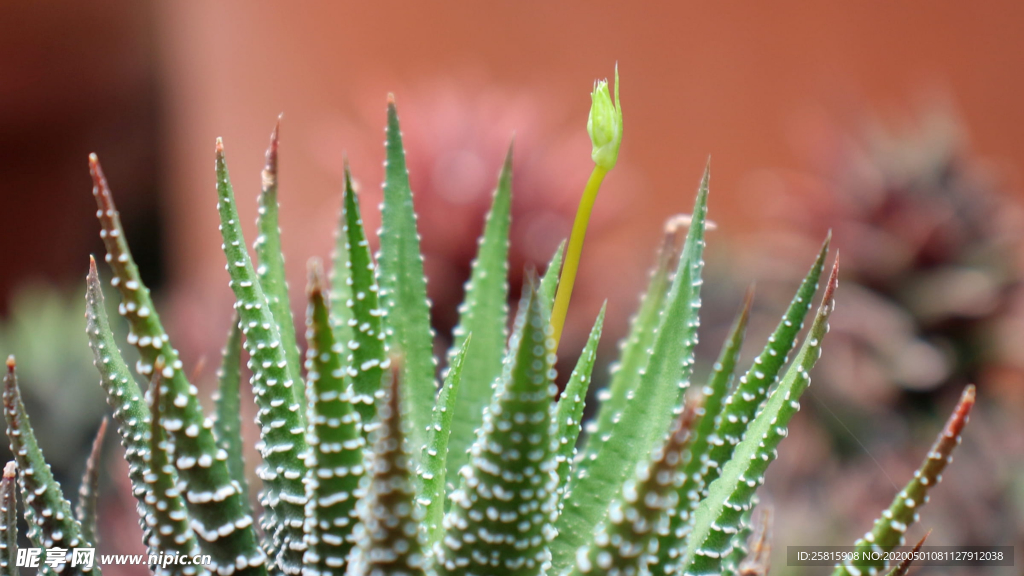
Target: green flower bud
[605, 124]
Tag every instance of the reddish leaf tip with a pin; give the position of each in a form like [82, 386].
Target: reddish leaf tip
[96, 170]
[270, 169]
[101, 190]
[904, 566]
[833, 282]
[315, 282]
[959, 417]
[748, 301]
[10, 470]
[97, 442]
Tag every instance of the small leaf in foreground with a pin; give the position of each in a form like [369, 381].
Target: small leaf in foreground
[889, 530]
[9, 520]
[88, 490]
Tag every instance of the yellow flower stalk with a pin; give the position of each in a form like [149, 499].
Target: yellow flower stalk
[605, 128]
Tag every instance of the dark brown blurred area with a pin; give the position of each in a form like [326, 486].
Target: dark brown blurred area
[75, 78]
[149, 85]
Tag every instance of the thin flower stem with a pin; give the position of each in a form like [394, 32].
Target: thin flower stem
[574, 251]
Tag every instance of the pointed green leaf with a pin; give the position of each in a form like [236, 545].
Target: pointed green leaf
[224, 529]
[9, 520]
[88, 490]
[355, 307]
[484, 312]
[388, 536]
[636, 349]
[271, 273]
[753, 386]
[569, 412]
[549, 282]
[433, 472]
[903, 567]
[508, 492]
[50, 521]
[888, 531]
[280, 416]
[672, 543]
[227, 421]
[334, 463]
[626, 542]
[403, 288]
[652, 406]
[123, 396]
[169, 528]
[340, 292]
[737, 411]
[716, 521]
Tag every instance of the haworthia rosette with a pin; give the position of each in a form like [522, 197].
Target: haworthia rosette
[281, 420]
[484, 313]
[224, 528]
[632, 504]
[889, 530]
[717, 519]
[334, 462]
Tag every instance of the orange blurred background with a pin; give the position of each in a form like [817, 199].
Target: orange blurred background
[148, 86]
[731, 80]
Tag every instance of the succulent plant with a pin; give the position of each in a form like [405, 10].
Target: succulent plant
[363, 471]
[42, 328]
[932, 274]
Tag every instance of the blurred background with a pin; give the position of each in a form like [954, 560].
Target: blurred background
[896, 125]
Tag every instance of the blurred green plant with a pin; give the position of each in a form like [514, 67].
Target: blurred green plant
[356, 473]
[933, 270]
[44, 330]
